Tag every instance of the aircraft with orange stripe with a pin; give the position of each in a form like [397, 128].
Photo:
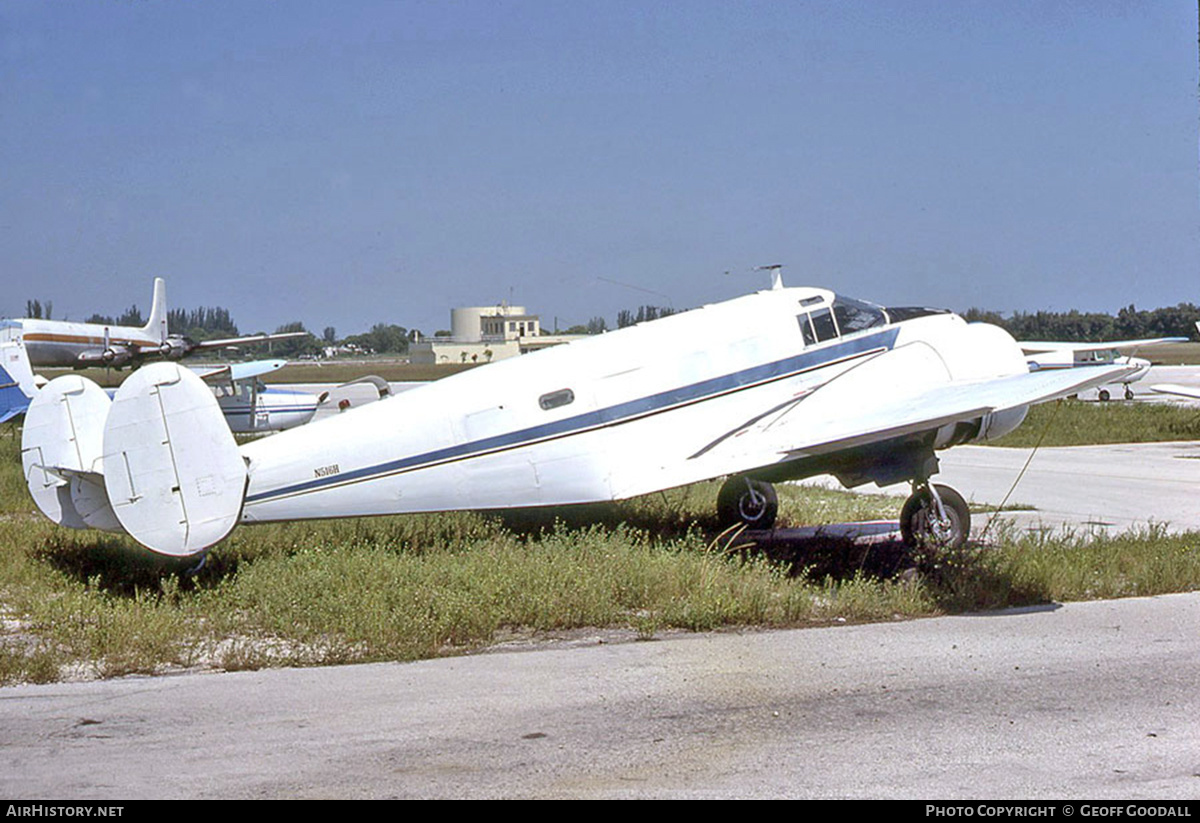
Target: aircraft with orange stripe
[62, 343]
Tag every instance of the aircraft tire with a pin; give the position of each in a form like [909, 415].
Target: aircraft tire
[915, 517]
[1104, 396]
[747, 501]
[1128, 393]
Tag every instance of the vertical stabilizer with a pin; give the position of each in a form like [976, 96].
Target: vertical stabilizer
[157, 325]
[62, 446]
[17, 387]
[173, 471]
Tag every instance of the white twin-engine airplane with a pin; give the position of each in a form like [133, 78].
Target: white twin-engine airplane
[51, 343]
[773, 386]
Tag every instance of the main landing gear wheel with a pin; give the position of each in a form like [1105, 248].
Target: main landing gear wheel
[1104, 396]
[935, 516]
[1128, 393]
[751, 502]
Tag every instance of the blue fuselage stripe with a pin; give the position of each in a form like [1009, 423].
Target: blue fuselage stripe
[608, 416]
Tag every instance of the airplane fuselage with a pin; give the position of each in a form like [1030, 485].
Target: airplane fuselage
[55, 343]
[691, 397]
[265, 409]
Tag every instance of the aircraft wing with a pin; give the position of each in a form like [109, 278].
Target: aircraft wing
[238, 371]
[830, 418]
[1043, 346]
[958, 402]
[1175, 388]
[238, 341]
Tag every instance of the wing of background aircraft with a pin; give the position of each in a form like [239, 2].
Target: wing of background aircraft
[237, 371]
[178, 346]
[1177, 389]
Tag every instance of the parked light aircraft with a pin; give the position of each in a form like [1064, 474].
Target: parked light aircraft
[1055, 355]
[52, 343]
[773, 386]
[249, 405]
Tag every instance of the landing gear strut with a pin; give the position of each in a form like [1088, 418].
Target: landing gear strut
[935, 516]
[748, 501]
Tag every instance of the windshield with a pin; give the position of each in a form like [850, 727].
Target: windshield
[856, 315]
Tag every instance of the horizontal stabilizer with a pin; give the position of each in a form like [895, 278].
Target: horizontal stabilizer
[173, 472]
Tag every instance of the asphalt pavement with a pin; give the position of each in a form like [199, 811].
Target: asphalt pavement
[1084, 700]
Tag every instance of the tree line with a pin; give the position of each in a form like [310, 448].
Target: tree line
[1130, 323]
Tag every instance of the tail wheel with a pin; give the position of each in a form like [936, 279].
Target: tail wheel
[751, 502]
[921, 523]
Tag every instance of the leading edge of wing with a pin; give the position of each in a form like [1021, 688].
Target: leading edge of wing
[1043, 346]
[1177, 389]
[237, 371]
[951, 403]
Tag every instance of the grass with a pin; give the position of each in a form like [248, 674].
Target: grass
[1077, 423]
[86, 604]
[1169, 354]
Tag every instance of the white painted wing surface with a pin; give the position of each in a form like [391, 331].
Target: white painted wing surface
[237, 371]
[825, 421]
[173, 472]
[1176, 388]
[1040, 346]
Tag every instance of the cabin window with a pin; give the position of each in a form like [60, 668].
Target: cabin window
[822, 321]
[554, 399]
[806, 329]
[855, 315]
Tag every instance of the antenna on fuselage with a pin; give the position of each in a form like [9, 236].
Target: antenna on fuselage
[776, 270]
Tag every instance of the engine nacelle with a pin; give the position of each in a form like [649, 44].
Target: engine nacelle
[173, 348]
[981, 429]
[115, 357]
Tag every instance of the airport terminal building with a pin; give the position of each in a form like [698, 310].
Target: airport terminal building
[481, 334]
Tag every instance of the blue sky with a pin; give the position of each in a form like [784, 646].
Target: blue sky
[355, 162]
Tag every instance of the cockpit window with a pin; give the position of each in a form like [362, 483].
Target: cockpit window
[823, 325]
[898, 314]
[806, 329]
[856, 315]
